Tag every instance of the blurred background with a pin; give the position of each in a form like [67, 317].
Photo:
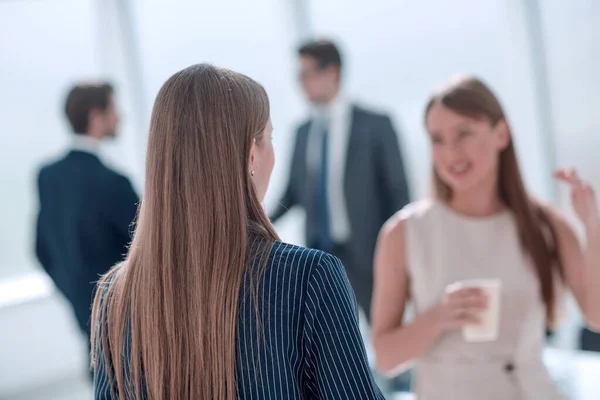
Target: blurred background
[541, 57]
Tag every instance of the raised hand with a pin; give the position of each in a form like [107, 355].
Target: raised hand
[582, 197]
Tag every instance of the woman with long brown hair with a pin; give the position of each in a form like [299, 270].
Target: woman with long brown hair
[208, 303]
[481, 223]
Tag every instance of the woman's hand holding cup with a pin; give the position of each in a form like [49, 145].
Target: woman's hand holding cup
[461, 306]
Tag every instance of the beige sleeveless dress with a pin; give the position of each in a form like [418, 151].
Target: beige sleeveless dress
[443, 247]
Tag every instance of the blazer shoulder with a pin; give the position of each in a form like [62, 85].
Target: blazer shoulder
[295, 257]
[114, 175]
[104, 175]
[48, 169]
[52, 164]
[115, 183]
[43, 170]
[370, 113]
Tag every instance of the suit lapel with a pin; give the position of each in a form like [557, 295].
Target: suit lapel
[306, 184]
[353, 142]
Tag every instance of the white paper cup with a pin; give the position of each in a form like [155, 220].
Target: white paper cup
[487, 329]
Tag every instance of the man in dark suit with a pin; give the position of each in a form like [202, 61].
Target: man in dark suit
[347, 171]
[86, 209]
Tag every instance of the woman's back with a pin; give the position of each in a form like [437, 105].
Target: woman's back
[307, 346]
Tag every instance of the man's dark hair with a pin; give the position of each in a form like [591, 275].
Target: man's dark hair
[324, 51]
[82, 99]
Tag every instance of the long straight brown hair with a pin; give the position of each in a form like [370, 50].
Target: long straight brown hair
[177, 292]
[470, 97]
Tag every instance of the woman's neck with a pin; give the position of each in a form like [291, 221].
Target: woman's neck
[479, 202]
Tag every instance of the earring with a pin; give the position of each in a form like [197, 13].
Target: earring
[252, 173]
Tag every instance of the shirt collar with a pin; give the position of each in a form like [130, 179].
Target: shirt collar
[86, 144]
[331, 110]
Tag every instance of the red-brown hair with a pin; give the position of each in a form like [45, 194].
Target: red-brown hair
[178, 290]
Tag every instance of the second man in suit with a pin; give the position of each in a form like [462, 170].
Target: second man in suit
[86, 209]
[347, 171]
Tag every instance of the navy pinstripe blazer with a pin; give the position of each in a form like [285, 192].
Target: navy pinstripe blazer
[313, 348]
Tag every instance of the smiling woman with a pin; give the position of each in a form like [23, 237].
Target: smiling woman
[472, 154]
[481, 224]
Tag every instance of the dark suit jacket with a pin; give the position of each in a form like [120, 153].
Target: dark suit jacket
[83, 226]
[375, 185]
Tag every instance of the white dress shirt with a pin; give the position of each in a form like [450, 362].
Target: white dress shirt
[337, 116]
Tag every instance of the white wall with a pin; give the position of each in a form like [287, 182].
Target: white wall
[572, 30]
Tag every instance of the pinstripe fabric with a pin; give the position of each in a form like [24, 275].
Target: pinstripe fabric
[311, 348]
